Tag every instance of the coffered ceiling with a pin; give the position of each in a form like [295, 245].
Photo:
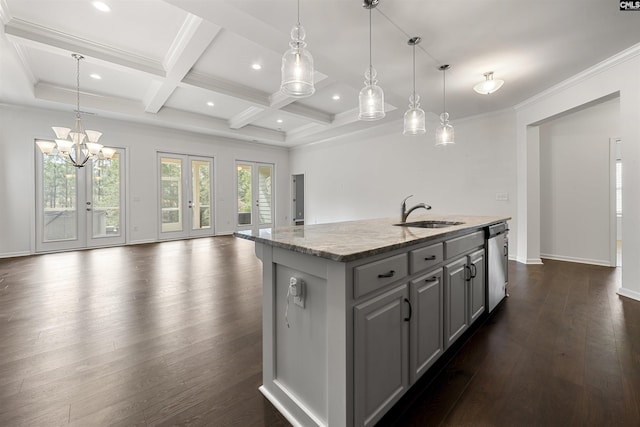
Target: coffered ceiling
[166, 62]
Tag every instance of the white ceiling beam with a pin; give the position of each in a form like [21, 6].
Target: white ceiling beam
[128, 109]
[245, 117]
[51, 40]
[190, 43]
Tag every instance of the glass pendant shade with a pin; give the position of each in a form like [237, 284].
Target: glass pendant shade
[46, 147]
[489, 85]
[371, 98]
[444, 133]
[414, 118]
[297, 67]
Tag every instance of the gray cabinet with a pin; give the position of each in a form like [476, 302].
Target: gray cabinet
[456, 316]
[476, 285]
[426, 327]
[381, 359]
[464, 289]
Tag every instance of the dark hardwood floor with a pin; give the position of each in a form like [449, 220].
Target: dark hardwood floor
[170, 334]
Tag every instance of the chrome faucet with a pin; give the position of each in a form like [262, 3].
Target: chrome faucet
[404, 213]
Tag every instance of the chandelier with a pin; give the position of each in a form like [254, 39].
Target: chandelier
[76, 146]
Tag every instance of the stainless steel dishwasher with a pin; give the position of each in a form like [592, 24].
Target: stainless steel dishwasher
[498, 264]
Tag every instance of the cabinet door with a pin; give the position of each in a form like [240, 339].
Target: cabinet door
[381, 356]
[477, 285]
[426, 327]
[456, 321]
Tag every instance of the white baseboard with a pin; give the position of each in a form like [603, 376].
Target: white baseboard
[529, 261]
[629, 293]
[603, 263]
[15, 254]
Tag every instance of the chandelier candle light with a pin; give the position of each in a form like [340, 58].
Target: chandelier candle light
[297, 65]
[444, 133]
[76, 146]
[414, 119]
[371, 98]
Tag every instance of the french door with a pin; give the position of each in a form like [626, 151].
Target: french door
[186, 196]
[254, 184]
[79, 207]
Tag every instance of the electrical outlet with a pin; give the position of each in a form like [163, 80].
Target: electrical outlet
[503, 197]
[296, 289]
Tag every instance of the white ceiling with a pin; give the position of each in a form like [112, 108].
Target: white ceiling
[162, 61]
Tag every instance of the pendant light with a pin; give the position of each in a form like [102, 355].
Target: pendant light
[297, 65]
[76, 146]
[371, 98]
[444, 133]
[489, 85]
[414, 121]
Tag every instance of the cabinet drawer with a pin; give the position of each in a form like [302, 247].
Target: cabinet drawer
[463, 244]
[372, 276]
[423, 258]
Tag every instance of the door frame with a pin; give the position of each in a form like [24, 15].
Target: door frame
[84, 237]
[187, 231]
[255, 223]
[613, 214]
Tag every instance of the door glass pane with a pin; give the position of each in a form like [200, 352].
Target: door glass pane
[59, 199]
[201, 182]
[244, 194]
[265, 195]
[106, 197]
[171, 190]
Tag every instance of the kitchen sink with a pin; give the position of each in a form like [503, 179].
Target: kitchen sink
[429, 224]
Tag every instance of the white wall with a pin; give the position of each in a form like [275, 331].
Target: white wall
[618, 74]
[19, 126]
[575, 209]
[368, 176]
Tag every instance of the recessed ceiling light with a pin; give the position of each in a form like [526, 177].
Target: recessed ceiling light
[102, 6]
[210, 104]
[256, 66]
[279, 121]
[335, 97]
[95, 76]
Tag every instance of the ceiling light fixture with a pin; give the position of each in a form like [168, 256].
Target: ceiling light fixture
[414, 117]
[256, 66]
[489, 85]
[95, 76]
[76, 146]
[210, 103]
[101, 6]
[336, 97]
[279, 121]
[371, 98]
[444, 133]
[297, 65]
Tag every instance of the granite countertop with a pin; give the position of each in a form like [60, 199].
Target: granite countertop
[352, 240]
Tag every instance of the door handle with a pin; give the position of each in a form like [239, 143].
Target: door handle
[406, 319]
[389, 274]
[467, 269]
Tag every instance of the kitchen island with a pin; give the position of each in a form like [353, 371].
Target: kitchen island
[356, 312]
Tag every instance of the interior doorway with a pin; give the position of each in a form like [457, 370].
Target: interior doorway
[255, 195]
[297, 201]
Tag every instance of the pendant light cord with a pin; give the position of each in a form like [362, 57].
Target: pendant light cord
[370, 59]
[298, 13]
[414, 75]
[444, 90]
[78, 86]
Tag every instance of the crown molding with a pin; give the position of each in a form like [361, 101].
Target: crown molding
[54, 40]
[583, 76]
